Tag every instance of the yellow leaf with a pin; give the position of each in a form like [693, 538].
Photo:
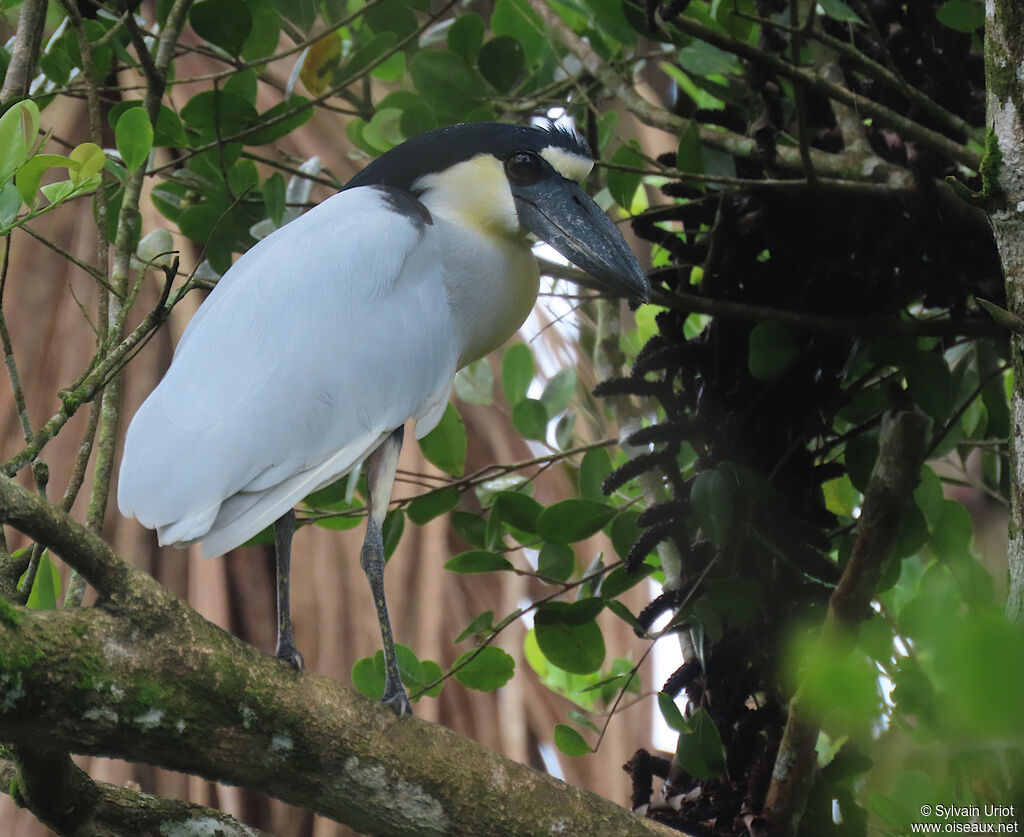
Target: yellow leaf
[318, 66]
[90, 158]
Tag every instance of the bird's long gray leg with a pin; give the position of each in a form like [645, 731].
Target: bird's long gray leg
[284, 528]
[380, 476]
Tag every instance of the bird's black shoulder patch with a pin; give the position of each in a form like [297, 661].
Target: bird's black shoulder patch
[401, 202]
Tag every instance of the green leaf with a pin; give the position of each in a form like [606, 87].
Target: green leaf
[224, 23]
[425, 508]
[477, 561]
[392, 529]
[466, 36]
[300, 12]
[564, 431]
[502, 62]
[474, 384]
[623, 612]
[418, 119]
[619, 580]
[274, 197]
[573, 520]
[90, 159]
[712, 505]
[576, 647]
[18, 129]
[623, 184]
[860, 455]
[243, 177]
[703, 59]
[518, 510]
[931, 384]
[338, 522]
[46, 585]
[530, 418]
[570, 742]
[219, 111]
[391, 16]
[690, 154]
[447, 82]
[838, 10]
[485, 669]
[168, 132]
[558, 391]
[10, 203]
[516, 372]
[31, 174]
[472, 528]
[772, 350]
[243, 83]
[700, 750]
[391, 68]
[556, 561]
[480, 626]
[950, 537]
[292, 113]
[624, 532]
[445, 445]
[57, 192]
[265, 32]
[670, 712]
[368, 673]
[368, 53]
[516, 18]
[596, 465]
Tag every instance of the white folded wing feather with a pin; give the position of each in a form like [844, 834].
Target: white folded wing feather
[282, 381]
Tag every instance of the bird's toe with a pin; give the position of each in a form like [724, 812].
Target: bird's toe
[398, 702]
[290, 654]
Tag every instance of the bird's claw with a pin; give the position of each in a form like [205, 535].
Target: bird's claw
[290, 654]
[397, 701]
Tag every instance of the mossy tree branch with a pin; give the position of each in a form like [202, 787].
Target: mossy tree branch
[143, 677]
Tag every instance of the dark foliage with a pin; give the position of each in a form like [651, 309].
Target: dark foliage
[814, 251]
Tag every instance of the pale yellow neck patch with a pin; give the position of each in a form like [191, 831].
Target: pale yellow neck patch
[475, 192]
[570, 166]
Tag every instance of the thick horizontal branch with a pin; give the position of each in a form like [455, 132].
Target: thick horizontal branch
[198, 700]
[90, 807]
[143, 677]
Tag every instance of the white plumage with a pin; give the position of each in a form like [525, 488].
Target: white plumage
[324, 339]
[288, 375]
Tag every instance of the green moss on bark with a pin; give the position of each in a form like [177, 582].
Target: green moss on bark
[9, 614]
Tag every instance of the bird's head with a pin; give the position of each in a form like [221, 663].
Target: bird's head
[525, 177]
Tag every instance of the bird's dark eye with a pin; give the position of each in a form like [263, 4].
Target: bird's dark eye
[524, 167]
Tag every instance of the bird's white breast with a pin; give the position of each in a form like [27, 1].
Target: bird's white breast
[490, 272]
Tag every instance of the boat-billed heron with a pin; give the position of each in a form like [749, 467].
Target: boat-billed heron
[323, 340]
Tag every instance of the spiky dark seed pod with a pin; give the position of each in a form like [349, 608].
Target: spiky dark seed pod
[627, 386]
[663, 513]
[642, 769]
[659, 605]
[668, 431]
[631, 470]
[647, 541]
[657, 360]
[682, 677]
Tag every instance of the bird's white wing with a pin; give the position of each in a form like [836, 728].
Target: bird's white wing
[319, 341]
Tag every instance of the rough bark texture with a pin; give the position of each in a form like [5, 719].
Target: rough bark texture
[1003, 173]
[143, 677]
